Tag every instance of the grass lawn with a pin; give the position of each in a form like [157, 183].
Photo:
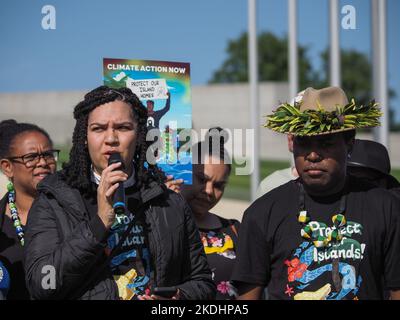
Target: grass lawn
[396, 173]
[238, 186]
[64, 154]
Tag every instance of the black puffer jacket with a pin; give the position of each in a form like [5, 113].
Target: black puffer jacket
[60, 234]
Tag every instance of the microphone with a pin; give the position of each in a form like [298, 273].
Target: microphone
[119, 205]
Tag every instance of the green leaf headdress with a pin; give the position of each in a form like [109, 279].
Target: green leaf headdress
[323, 111]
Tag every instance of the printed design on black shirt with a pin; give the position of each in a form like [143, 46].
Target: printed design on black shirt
[225, 287]
[130, 281]
[308, 263]
[222, 244]
[218, 242]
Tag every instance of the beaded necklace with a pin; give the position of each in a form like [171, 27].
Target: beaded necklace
[334, 236]
[311, 234]
[14, 214]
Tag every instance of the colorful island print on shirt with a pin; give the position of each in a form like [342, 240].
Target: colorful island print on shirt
[131, 267]
[309, 264]
[220, 250]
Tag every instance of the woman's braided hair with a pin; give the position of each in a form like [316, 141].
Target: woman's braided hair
[77, 172]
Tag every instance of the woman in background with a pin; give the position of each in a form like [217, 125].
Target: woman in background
[26, 158]
[219, 235]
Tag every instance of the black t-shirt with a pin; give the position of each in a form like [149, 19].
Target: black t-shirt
[131, 266]
[220, 248]
[272, 252]
[11, 255]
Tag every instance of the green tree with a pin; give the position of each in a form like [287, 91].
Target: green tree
[272, 57]
[356, 79]
[273, 66]
[356, 74]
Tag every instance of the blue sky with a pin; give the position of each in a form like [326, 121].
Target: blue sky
[70, 57]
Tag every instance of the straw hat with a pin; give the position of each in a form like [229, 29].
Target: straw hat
[323, 111]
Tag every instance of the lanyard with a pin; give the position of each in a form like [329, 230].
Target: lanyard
[334, 236]
[309, 233]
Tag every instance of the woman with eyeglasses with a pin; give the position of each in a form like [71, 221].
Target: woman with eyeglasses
[26, 158]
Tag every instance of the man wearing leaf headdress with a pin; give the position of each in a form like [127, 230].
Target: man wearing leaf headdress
[326, 235]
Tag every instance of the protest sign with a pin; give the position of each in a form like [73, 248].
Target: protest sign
[164, 89]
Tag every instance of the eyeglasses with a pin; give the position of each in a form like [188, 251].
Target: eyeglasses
[32, 159]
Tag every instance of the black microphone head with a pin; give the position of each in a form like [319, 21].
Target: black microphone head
[114, 158]
[119, 195]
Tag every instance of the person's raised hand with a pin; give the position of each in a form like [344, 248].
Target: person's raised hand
[174, 185]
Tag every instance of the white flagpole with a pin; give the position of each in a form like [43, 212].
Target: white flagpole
[375, 55]
[334, 58]
[379, 67]
[383, 87]
[293, 55]
[254, 97]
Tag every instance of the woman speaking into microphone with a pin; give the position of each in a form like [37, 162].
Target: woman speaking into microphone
[95, 252]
